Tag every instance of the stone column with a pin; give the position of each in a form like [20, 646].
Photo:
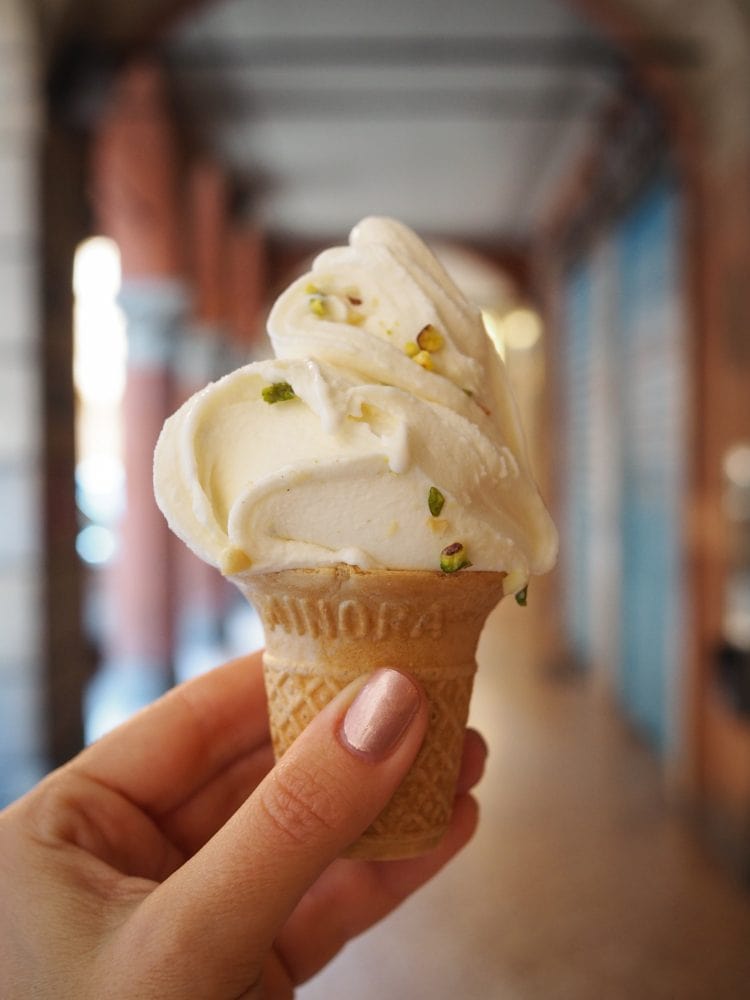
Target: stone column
[137, 186]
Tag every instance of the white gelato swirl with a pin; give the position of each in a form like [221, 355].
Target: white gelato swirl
[341, 472]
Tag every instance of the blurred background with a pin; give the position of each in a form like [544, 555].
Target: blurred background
[583, 170]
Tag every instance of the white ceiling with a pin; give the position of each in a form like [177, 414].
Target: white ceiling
[458, 117]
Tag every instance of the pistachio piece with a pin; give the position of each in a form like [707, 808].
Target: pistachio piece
[278, 392]
[522, 595]
[317, 303]
[430, 339]
[424, 358]
[435, 501]
[354, 318]
[453, 558]
[411, 348]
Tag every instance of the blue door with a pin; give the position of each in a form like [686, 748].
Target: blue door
[651, 338]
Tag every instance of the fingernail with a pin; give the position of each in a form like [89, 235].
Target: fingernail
[379, 716]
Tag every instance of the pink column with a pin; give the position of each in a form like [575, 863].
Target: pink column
[247, 293]
[246, 301]
[137, 198]
[201, 592]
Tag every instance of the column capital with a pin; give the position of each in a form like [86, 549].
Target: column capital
[202, 354]
[155, 311]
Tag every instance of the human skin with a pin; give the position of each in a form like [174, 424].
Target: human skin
[173, 859]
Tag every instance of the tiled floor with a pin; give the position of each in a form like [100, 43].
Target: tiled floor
[580, 884]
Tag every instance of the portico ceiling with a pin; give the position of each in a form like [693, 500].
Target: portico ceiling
[457, 118]
[461, 119]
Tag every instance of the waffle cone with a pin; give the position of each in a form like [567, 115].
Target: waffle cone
[325, 627]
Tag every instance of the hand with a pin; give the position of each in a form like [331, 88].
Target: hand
[172, 860]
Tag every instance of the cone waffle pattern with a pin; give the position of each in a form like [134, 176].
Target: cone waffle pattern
[326, 627]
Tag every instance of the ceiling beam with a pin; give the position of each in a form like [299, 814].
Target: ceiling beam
[403, 103]
[420, 51]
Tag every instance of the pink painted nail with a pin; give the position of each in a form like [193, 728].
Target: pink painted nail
[378, 718]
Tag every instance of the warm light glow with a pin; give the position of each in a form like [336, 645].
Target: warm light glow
[517, 330]
[737, 465]
[96, 269]
[99, 369]
[100, 344]
[521, 329]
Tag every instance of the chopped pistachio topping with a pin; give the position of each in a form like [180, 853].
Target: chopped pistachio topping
[522, 595]
[453, 558]
[354, 318]
[233, 561]
[311, 289]
[411, 348]
[430, 339]
[278, 392]
[424, 358]
[317, 303]
[435, 501]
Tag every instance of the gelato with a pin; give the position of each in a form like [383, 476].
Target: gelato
[383, 435]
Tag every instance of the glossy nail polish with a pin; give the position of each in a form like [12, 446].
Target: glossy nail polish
[378, 718]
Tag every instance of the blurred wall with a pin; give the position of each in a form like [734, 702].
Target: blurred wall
[21, 555]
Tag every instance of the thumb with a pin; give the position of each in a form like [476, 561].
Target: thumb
[218, 915]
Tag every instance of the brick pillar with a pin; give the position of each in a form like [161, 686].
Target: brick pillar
[245, 310]
[246, 293]
[137, 196]
[201, 593]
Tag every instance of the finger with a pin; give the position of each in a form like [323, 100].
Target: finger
[218, 915]
[167, 752]
[353, 895]
[199, 817]
[473, 762]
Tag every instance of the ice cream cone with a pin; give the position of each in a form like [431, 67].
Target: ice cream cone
[324, 627]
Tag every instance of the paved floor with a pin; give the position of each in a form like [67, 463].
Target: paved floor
[580, 884]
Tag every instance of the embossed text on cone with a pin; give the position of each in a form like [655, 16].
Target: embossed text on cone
[324, 627]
